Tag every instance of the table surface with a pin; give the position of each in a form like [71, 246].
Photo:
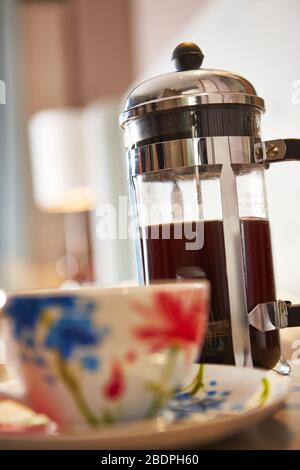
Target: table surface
[278, 432]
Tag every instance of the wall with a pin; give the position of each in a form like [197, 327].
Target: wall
[74, 51]
[154, 23]
[14, 183]
[103, 52]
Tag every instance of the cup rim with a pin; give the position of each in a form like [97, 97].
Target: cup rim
[82, 291]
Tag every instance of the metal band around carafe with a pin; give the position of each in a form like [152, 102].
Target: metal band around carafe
[211, 151]
[190, 152]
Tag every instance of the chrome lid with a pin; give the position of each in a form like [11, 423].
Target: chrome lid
[189, 86]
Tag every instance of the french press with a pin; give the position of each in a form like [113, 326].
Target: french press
[196, 167]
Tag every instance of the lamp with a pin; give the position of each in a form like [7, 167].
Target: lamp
[60, 184]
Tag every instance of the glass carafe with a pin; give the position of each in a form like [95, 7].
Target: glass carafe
[257, 257]
[181, 236]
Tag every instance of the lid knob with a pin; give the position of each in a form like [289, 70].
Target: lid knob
[187, 56]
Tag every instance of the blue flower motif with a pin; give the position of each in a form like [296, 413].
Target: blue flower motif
[40, 361]
[26, 310]
[238, 407]
[73, 328]
[185, 404]
[70, 332]
[30, 342]
[211, 393]
[225, 393]
[90, 363]
[195, 406]
[183, 396]
[50, 379]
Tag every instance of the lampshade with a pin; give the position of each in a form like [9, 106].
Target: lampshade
[60, 181]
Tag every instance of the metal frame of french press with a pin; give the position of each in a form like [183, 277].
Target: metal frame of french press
[225, 152]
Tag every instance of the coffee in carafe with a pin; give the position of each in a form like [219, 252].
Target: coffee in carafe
[168, 258]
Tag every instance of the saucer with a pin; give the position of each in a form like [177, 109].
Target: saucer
[215, 402]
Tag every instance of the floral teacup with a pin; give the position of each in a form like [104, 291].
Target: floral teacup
[96, 356]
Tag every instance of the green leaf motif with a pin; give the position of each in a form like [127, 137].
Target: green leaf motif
[265, 391]
[196, 384]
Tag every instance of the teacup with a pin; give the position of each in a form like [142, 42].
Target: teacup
[94, 356]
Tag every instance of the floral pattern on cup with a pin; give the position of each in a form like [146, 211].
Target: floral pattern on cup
[174, 322]
[70, 342]
[68, 326]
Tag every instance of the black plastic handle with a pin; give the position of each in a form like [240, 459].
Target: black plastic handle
[283, 149]
[293, 315]
[292, 149]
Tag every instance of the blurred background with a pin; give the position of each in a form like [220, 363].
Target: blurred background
[67, 66]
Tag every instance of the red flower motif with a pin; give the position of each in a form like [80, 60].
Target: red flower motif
[177, 319]
[131, 356]
[115, 386]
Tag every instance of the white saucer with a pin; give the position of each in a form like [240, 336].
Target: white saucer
[230, 400]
